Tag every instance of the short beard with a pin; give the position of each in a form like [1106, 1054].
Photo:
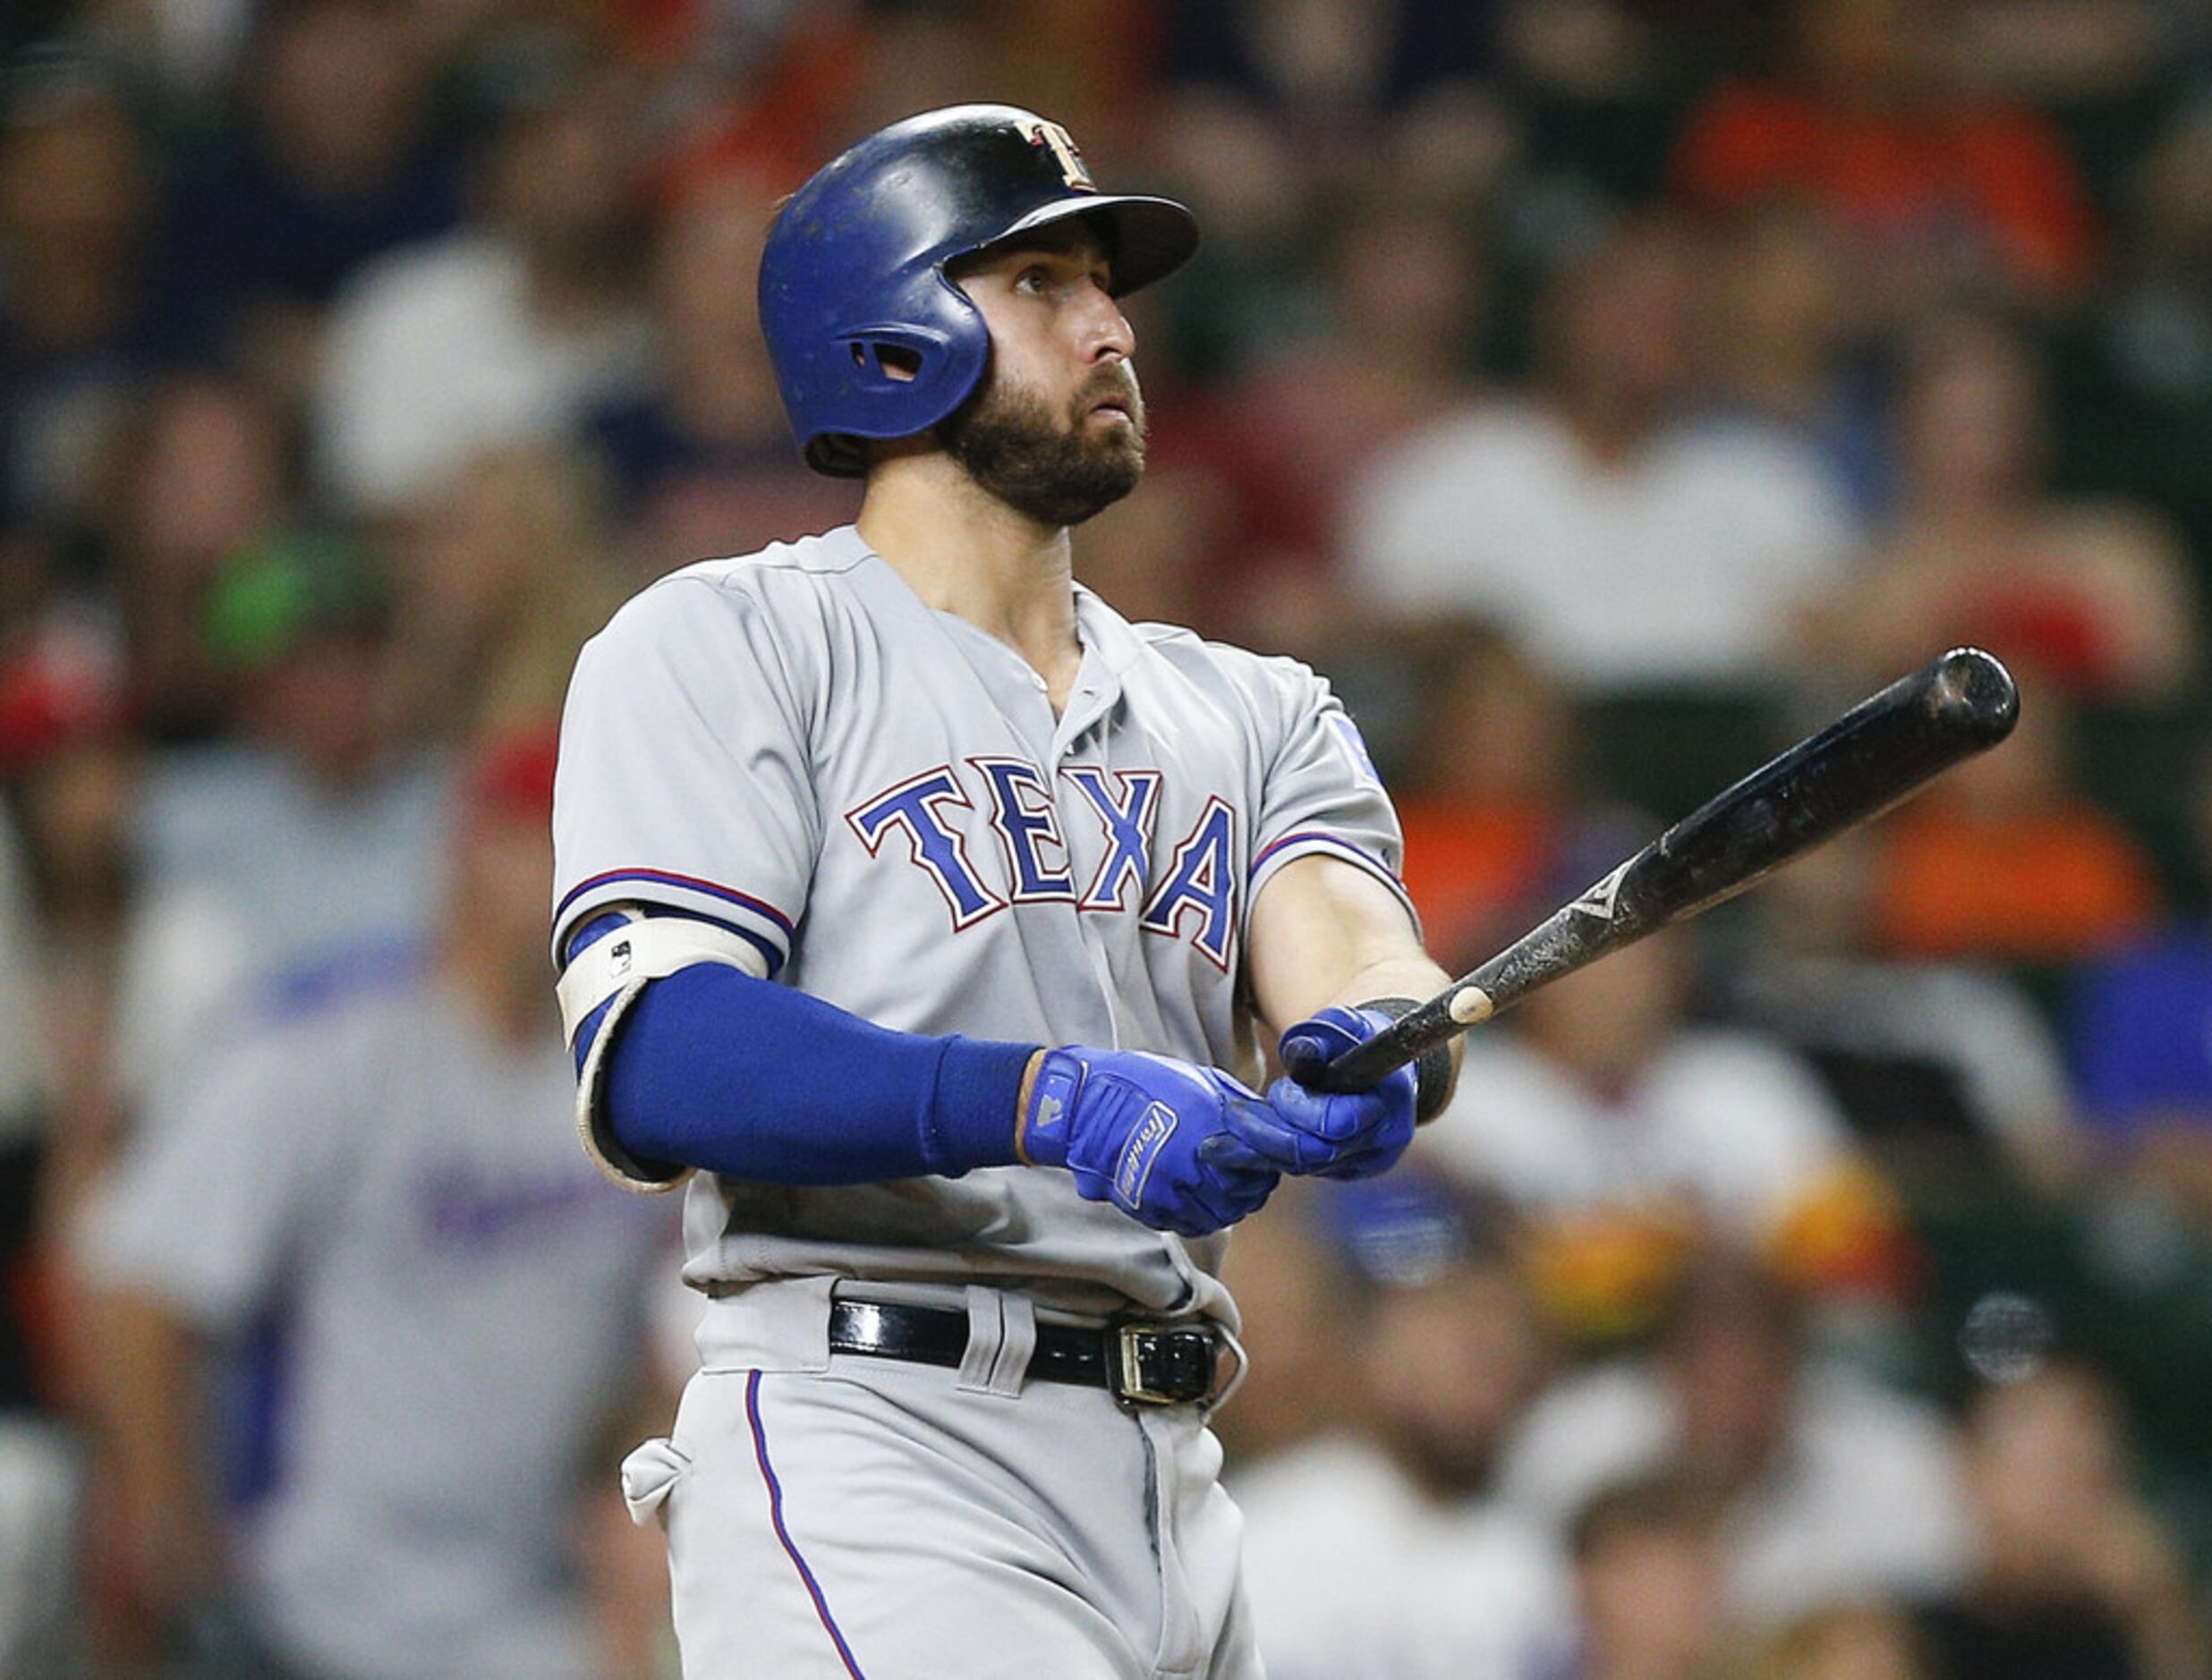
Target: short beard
[1006, 440]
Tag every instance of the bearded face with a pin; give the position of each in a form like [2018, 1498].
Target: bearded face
[1057, 467]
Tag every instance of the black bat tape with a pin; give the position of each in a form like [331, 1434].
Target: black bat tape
[1879, 752]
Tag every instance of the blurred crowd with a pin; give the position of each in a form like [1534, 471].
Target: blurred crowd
[1601, 392]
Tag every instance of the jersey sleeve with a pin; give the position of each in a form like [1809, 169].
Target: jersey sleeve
[684, 778]
[1320, 794]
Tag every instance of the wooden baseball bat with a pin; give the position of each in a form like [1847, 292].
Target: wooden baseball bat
[1879, 752]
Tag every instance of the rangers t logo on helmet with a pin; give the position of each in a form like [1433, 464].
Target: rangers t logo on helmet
[1063, 146]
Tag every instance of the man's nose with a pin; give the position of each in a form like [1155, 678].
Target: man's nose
[1106, 329]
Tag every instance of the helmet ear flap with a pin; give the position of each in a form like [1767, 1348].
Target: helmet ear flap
[893, 357]
[899, 367]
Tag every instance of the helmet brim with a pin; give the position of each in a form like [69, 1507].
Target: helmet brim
[1149, 238]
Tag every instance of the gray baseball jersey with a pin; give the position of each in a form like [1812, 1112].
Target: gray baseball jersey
[878, 797]
[463, 1301]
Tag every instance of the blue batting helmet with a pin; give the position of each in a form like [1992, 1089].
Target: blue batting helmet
[855, 267]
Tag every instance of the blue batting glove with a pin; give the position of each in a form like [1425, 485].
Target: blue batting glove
[1352, 1135]
[1150, 1134]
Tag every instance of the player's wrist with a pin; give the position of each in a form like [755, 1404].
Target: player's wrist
[1050, 1088]
[974, 1117]
[1021, 1096]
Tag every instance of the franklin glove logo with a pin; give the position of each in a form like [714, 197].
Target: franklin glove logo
[1147, 1138]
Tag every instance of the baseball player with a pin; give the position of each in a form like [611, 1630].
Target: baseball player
[364, 1192]
[925, 909]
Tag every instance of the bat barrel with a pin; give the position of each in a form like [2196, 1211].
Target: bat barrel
[1973, 695]
[1876, 755]
[1871, 759]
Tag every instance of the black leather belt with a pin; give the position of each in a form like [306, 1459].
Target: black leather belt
[1141, 1361]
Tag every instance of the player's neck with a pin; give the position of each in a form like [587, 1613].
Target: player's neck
[964, 552]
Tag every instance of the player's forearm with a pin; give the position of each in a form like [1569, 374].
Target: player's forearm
[711, 1067]
[1323, 932]
[1414, 976]
[164, 1538]
[716, 1070]
[1326, 933]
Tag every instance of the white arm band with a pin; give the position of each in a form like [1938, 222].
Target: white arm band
[613, 970]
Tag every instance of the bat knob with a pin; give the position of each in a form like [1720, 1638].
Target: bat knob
[1974, 696]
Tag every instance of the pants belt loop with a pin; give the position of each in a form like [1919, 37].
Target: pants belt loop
[986, 1338]
[1019, 1323]
[1002, 1335]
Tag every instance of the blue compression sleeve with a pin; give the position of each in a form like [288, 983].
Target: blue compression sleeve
[713, 1068]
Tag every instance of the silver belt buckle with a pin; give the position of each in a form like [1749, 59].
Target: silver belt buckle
[1164, 1364]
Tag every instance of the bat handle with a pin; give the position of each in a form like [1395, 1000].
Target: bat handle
[1407, 1038]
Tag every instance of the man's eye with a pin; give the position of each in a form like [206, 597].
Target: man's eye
[1032, 280]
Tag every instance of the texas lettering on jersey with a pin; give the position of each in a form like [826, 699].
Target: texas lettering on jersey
[933, 815]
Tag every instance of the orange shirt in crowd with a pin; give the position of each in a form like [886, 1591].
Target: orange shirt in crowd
[1471, 866]
[2047, 886]
[1900, 181]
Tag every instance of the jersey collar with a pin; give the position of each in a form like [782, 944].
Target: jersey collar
[1106, 634]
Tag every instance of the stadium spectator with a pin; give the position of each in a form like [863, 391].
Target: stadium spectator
[41, 1468]
[1831, 1488]
[1393, 345]
[1158, 551]
[2075, 1577]
[1332, 57]
[2134, 374]
[1272, 113]
[1863, 1641]
[316, 827]
[2067, 52]
[71, 767]
[1386, 1551]
[203, 469]
[1626, 1135]
[1330, 86]
[700, 458]
[2006, 860]
[77, 208]
[2140, 1025]
[332, 160]
[1948, 1070]
[1618, 539]
[1299, 1305]
[1783, 340]
[497, 583]
[1493, 813]
[1649, 1582]
[64, 698]
[1943, 189]
[462, 1304]
[508, 329]
[2097, 591]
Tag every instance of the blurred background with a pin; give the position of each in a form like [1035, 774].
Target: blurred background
[1601, 392]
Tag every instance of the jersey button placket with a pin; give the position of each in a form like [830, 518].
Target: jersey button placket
[1088, 705]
